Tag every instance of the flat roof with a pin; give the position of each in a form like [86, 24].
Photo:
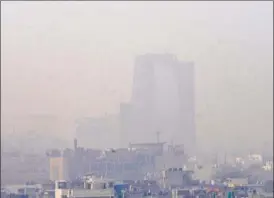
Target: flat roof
[148, 144]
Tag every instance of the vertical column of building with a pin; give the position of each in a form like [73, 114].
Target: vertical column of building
[186, 93]
[166, 99]
[142, 99]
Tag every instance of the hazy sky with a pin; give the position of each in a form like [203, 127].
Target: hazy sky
[76, 58]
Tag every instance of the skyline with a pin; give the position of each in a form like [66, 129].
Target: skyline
[78, 61]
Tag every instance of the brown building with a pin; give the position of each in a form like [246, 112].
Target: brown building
[58, 168]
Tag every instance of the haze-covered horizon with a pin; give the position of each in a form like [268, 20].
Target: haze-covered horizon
[75, 59]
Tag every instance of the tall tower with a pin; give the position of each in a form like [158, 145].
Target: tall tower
[163, 100]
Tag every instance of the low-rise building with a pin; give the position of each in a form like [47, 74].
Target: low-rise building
[93, 188]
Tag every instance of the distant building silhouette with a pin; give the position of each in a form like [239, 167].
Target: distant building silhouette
[162, 100]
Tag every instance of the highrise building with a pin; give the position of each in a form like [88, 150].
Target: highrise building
[162, 102]
[58, 168]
